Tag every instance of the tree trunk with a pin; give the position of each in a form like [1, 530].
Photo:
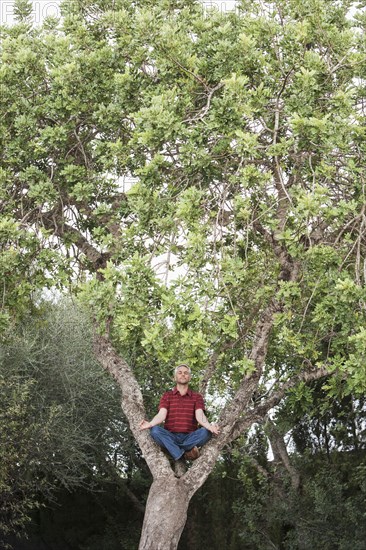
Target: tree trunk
[165, 514]
[280, 453]
[169, 497]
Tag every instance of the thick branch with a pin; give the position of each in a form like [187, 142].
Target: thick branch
[260, 410]
[211, 367]
[62, 230]
[289, 268]
[280, 452]
[249, 384]
[201, 469]
[132, 405]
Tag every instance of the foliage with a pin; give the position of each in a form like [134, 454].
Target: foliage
[18, 491]
[324, 423]
[242, 132]
[327, 511]
[198, 180]
[61, 422]
[330, 514]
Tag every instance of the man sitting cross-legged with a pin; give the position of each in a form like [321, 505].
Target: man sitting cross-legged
[181, 410]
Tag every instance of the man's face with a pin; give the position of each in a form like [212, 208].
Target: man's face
[182, 376]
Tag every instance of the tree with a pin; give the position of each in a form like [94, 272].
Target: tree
[18, 495]
[239, 244]
[61, 427]
[325, 513]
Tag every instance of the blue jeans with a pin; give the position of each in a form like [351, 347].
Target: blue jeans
[178, 443]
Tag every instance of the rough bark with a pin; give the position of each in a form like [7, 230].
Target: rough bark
[132, 405]
[165, 516]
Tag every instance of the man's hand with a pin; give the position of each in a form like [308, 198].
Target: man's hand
[144, 425]
[158, 419]
[214, 428]
[202, 420]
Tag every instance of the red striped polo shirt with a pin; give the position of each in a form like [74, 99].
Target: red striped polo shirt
[181, 410]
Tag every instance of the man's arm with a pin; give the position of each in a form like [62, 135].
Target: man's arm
[202, 420]
[158, 419]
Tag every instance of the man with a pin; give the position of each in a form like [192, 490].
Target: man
[181, 409]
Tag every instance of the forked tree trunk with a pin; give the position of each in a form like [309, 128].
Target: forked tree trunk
[169, 496]
[165, 514]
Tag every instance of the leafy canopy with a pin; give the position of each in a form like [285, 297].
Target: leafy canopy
[168, 162]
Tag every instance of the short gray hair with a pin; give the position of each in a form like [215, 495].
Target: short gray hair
[182, 365]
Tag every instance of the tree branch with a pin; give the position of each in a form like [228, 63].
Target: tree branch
[61, 229]
[210, 369]
[249, 383]
[132, 405]
[206, 108]
[280, 452]
[260, 410]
